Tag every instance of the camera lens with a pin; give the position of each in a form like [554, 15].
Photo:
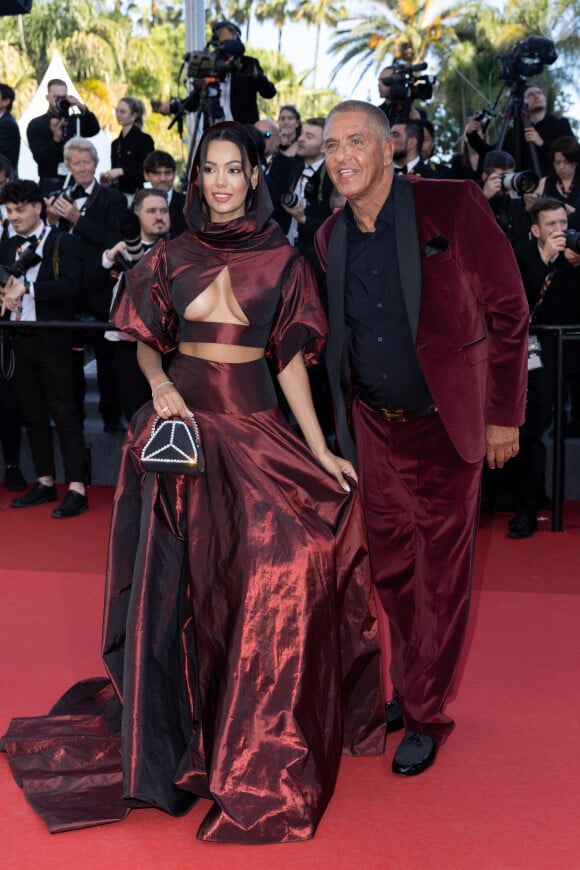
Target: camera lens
[520, 182]
[290, 199]
[573, 241]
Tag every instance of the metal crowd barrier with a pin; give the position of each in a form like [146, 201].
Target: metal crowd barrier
[563, 334]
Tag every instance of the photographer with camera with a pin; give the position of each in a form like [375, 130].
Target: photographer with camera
[41, 281]
[549, 268]
[48, 133]
[500, 182]
[141, 228]
[543, 129]
[399, 85]
[224, 82]
[92, 213]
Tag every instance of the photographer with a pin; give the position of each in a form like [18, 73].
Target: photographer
[44, 283]
[541, 133]
[9, 131]
[509, 211]
[551, 277]
[240, 89]
[48, 133]
[397, 98]
[92, 213]
[142, 228]
[225, 83]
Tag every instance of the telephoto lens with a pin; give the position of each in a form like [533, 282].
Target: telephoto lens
[520, 182]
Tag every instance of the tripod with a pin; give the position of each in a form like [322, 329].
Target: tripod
[517, 116]
[204, 100]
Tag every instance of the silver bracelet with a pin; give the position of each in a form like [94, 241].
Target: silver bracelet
[162, 384]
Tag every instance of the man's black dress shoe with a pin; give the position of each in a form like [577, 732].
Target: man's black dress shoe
[395, 721]
[37, 494]
[522, 525]
[416, 752]
[13, 479]
[72, 505]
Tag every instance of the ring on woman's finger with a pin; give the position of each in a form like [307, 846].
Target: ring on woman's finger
[163, 410]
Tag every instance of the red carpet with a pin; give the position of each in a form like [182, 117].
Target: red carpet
[503, 794]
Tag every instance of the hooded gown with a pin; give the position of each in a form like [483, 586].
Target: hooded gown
[240, 635]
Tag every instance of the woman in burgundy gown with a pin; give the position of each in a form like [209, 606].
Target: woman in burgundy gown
[240, 635]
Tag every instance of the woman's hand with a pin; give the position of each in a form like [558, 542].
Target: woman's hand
[338, 467]
[168, 402]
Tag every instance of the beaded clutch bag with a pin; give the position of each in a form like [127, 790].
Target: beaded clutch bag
[174, 446]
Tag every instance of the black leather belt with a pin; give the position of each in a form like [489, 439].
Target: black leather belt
[400, 415]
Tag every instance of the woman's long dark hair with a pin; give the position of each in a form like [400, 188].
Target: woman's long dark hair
[229, 131]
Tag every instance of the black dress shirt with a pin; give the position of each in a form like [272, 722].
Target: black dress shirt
[385, 366]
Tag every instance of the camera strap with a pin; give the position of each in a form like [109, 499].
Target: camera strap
[545, 287]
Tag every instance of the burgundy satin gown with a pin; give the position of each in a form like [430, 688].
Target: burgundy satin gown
[240, 634]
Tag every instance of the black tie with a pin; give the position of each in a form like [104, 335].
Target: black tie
[32, 240]
[78, 191]
[401, 170]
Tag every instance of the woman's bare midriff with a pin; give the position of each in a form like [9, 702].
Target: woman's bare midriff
[227, 353]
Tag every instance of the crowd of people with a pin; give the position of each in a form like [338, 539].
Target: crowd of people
[292, 232]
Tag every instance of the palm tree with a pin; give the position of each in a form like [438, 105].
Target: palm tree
[404, 29]
[276, 11]
[318, 13]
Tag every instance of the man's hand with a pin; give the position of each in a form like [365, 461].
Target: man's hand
[57, 126]
[12, 293]
[554, 244]
[62, 208]
[502, 443]
[532, 135]
[297, 212]
[492, 186]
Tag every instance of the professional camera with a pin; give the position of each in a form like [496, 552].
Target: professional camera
[573, 240]
[62, 107]
[131, 233]
[28, 259]
[527, 58]
[522, 182]
[225, 58]
[484, 117]
[290, 199]
[407, 83]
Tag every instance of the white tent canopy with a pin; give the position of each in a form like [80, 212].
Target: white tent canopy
[56, 69]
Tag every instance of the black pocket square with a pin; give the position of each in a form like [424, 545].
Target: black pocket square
[436, 245]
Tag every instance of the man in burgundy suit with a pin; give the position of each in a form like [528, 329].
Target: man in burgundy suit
[427, 364]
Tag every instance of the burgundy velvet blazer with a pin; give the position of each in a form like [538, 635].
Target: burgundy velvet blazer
[466, 306]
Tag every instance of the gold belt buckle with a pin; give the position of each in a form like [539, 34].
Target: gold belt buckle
[394, 416]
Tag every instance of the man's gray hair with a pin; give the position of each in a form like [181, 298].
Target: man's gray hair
[378, 119]
[77, 143]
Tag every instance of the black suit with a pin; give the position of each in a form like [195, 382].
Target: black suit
[245, 89]
[48, 153]
[10, 139]
[98, 230]
[44, 364]
[176, 216]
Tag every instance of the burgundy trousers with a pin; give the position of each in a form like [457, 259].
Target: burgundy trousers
[421, 505]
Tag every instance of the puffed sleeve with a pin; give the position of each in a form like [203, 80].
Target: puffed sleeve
[143, 307]
[300, 322]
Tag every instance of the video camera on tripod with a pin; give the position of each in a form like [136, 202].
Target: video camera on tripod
[527, 58]
[407, 83]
